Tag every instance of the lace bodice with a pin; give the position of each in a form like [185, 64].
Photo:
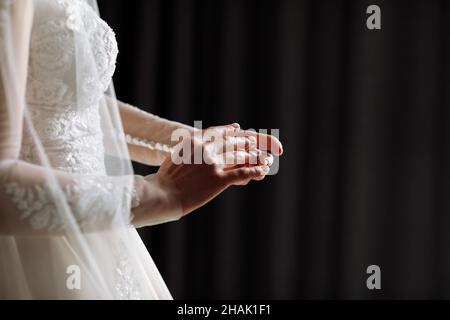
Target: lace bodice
[80, 218]
[63, 89]
[72, 56]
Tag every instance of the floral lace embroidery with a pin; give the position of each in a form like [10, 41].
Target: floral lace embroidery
[71, 62]
[126, 284]
[73, 21]
[73, 141]
[93, 201]
[64, 87]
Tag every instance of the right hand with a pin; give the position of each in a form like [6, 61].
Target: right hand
[193, 185]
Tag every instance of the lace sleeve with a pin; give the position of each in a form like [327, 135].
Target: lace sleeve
[145, 143]
[31, 203]
[148, 136]
[94, 203]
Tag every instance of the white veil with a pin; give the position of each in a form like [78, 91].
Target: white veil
[64, 234]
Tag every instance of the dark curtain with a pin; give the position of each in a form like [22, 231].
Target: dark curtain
[363, 117]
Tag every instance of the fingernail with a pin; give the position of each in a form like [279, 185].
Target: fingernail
[265, 169]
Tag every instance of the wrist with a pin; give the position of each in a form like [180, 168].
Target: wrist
[157, 202]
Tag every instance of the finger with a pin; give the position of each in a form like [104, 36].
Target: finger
[234, 158]
[246, 182]
[241, 175]
[233, 127]
[218, 135]
[234, 143]
[241, 143]
[265, 158]
[265, 142]
[238, 159]
[247, 159]
[260, 178]
[229, 129]
[258, 157]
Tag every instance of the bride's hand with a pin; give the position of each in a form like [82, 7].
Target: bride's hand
[193, 185]
[264, 142]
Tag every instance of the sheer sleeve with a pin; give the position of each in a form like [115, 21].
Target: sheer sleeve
[149, 137]
[33, 204]
[36, 198]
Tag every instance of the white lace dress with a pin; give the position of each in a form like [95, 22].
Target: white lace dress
[72, 139]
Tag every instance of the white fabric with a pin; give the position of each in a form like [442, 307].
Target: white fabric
[67, 183]
[59, 107]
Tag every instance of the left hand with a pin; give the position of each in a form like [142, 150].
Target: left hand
[264, 142]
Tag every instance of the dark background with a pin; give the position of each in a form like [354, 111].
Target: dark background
[363, 117]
